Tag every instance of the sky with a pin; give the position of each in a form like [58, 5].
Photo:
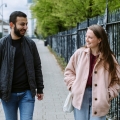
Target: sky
[12, 5]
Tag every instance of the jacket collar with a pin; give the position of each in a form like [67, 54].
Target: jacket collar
[87, 50]
[10, 38]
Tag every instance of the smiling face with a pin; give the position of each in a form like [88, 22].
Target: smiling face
[91, 40]
[20, 27]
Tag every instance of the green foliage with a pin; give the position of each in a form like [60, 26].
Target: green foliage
[54, 16]
[47, 23]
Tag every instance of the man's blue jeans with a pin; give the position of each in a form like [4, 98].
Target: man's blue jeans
[24, 101]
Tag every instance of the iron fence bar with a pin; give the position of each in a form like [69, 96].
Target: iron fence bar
[67, 34]
[82, 29]
[113, 23]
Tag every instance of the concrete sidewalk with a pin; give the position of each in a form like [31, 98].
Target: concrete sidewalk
[55, 91]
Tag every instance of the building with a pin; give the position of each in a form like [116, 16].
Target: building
[6, 28]
[31, 21]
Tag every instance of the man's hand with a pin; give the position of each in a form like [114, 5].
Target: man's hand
[39, 96]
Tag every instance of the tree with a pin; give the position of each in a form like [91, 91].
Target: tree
[48, 23]
[54, 16]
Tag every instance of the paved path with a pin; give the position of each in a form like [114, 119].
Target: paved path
[55, 90]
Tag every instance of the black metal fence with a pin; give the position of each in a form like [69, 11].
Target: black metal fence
[65, 43]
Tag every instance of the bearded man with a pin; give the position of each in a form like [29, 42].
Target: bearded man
[20, 70]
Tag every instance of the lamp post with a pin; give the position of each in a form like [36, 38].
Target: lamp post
[2, 14]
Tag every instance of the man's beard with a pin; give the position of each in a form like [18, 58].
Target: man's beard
[17, 32]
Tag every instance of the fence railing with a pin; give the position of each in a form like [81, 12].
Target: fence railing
[65, 43]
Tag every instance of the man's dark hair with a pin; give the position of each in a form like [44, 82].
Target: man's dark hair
[14, 16]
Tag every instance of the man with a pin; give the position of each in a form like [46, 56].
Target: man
[20, 70]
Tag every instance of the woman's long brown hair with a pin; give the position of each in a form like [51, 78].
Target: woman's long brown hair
[107, 54]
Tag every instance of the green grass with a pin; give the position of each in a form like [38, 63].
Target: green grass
[60, 60]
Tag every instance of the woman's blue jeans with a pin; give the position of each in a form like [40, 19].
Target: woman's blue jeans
[85, 113]
[24, 101]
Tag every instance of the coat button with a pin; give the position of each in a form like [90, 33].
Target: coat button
[95, 72]
[95, 112]
[95, 85]
[95, 98]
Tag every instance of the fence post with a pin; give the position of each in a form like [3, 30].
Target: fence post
[105, 20]
[78, 35]
[67, 46]
[87, 22]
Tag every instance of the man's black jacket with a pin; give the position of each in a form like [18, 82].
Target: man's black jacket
[32, 62]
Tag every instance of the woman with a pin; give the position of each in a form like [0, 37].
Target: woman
[93, 76]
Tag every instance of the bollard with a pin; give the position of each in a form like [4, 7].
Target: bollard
[45, 43]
